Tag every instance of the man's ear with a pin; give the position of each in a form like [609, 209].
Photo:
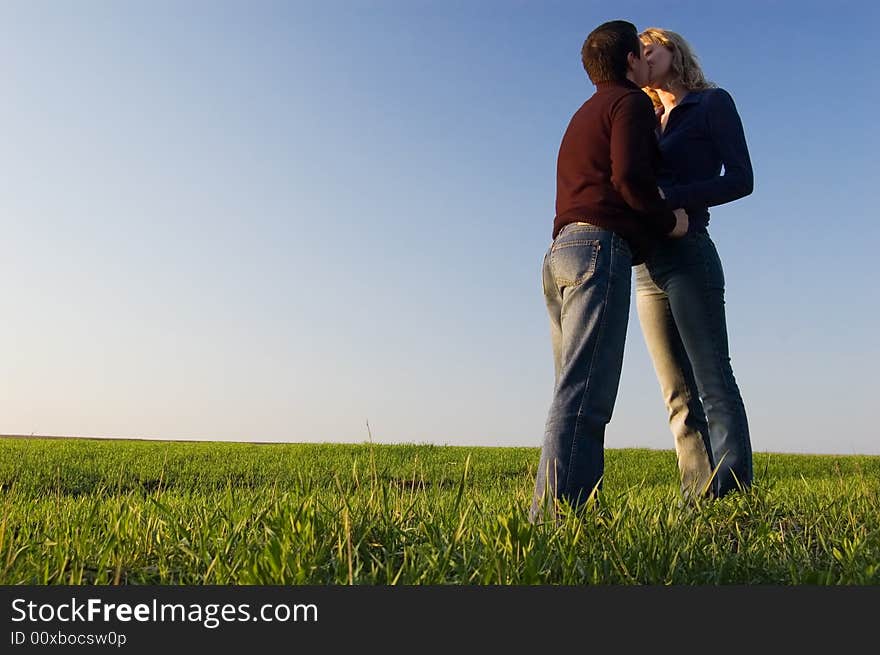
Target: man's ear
[630, 61]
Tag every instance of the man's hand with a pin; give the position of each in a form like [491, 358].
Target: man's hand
[681, 224]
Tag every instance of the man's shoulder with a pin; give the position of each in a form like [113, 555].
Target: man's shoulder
[632, 101]
[618, 95]
[615, 103]
[634, 96]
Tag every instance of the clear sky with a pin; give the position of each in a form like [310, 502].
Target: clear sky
[279, 220]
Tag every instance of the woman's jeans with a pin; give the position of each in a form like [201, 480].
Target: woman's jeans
[680, 302]
[587, 281]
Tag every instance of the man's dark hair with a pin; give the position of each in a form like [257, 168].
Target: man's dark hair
[605, 50]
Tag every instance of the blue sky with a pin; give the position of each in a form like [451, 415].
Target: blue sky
[278, 220]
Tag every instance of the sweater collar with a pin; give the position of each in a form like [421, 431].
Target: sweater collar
[624, 83]
[692, 98]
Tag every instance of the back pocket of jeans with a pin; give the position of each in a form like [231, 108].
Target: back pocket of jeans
[573, 262]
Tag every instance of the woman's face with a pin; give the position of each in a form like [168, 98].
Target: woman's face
[659, 62]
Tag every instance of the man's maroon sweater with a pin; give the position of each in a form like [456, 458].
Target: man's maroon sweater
[607, 165]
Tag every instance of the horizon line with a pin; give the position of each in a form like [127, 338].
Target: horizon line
[367, 442]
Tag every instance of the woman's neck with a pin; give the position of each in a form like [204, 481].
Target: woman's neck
[671, 95]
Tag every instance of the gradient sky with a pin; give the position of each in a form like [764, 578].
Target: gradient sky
[279, 220]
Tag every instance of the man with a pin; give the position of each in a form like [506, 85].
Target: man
[609, 216]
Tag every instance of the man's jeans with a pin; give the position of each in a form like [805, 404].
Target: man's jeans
[587, 281]
[680, 301]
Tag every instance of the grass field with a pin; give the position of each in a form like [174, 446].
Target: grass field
[83, 511]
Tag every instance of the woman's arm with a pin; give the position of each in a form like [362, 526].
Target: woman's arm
[726, 132]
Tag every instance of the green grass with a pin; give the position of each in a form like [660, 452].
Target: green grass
[129, 512]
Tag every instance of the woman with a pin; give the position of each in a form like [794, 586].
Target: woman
[680, 288]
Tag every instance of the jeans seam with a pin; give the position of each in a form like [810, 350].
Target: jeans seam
[687, 388]
[740, 426]
[599, 333]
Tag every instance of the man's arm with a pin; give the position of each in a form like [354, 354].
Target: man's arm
[633, 153]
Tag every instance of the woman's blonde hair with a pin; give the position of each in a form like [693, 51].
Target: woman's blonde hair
[654, 96]
[685, 68]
